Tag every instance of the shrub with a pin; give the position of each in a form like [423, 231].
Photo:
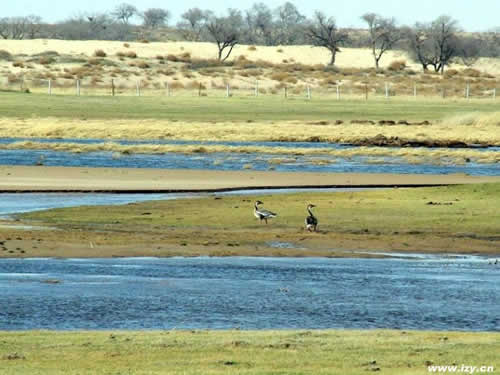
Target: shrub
[279, 50]
[144, 41]
[197, 64]
[172, 58]
[397, 66]
[99, 53]
[120, 54]
[94, 61]
[331, 69]
[280, 76]
[142, 65]
[131, 54]
[159, 57]
[5, 55]
[450, 73]
[18, 64]
[46, 60]
[252, 48]
[185, 57]
[126, 45]
[469, 72]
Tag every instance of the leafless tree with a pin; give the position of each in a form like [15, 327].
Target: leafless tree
[383, 35]
[33, 26]
[323, 32]
[13, 27]
[435, 44]
[443, 31]
[193, 22]
[260, 24]
[469, 49]
[124, 12]
[225, 31]
[289, 22]
[155, 17]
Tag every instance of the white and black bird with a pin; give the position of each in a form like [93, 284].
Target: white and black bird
[261, 213]
[311, 220]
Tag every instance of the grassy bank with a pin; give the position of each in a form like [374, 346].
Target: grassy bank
[243, 352]
[444, 219]
[207, 109]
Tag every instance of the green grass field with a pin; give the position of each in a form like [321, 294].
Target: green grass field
[243, 352]
[22, 105]
[441, 219]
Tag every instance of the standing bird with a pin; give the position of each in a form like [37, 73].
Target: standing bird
[311, 220]
[261, 213]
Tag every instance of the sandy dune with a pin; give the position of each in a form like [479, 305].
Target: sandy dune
[305, 54]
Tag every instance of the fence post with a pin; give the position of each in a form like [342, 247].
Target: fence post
[256, 88]
[50, 87]
[112, 87]
[494, 93]
[138, 88]
[308, 92]
[386, 90]
[199, 90]
[366, 91]
[167, 88]
[415, 90]
[286, 92]
[443, 93]
[78, 87]
[467, 90]
[338, 92]
[227, 90]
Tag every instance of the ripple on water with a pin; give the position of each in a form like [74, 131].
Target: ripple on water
[252, 293]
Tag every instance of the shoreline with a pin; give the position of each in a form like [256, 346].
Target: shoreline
[146, 180]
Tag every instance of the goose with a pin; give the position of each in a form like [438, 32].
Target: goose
[311, 220]
[261, 213]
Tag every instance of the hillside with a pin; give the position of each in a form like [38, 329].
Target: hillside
[190, 65]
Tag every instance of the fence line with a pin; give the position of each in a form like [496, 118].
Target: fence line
[364, 91]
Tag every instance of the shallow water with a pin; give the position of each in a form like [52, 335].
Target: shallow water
[241, 161]
[11, 203]
[250, 293]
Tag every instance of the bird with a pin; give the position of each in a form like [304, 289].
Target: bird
[311, 220]
[261, 213]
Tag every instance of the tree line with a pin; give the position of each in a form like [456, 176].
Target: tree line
[433, 45]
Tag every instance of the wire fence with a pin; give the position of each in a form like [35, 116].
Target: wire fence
[364, 91]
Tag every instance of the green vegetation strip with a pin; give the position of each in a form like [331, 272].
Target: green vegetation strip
[243, 352]
[463, 218]
[232, 109]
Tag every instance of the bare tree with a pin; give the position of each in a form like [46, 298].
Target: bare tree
[192, 23]
[260, 24]
[225, 31]
[289, 23]
[383, 35]
[469, 49]
[435, 44]
[13, 27]
[323, 32]
[124, 12]
[443, 31]
[421, 47]
[155, 17]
